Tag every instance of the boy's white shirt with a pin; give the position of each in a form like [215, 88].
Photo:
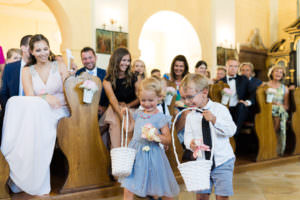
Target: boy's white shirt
[221, 131]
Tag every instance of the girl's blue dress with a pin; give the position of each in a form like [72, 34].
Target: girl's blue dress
[151, 173]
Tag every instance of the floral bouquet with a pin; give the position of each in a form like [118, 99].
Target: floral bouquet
[270, 94]
[148, 133]
[170, 92]
[89, 88]
[200, 147]
[226, 94]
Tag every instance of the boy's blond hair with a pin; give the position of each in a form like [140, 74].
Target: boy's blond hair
[196, 81]
[152, 84]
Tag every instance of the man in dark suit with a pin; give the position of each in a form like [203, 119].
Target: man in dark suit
[88, 59]
[11, 78]
[247, 69]
[242, 97]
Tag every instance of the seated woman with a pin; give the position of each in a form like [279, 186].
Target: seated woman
[120, 88]
[179, 68]
[29, 127]
[280, 105]
[139, 68]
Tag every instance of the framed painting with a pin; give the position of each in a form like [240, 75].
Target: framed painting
[103, 41]
[120, 39]
[223, 54]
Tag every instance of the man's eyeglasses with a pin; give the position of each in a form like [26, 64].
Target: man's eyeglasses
[190, 97]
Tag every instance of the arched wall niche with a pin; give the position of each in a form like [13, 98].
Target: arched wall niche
[198, 13]
[165, 35]
[76, 24]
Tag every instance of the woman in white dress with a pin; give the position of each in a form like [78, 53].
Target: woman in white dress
[30, 122]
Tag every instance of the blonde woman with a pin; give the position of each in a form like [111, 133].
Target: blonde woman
[139, 68]
[280, 105]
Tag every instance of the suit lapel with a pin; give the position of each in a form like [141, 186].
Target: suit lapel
[98, 73]
[16, 76]
[224, 79]
[237, 84]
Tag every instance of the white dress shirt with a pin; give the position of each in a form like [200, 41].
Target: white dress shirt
[21, 91]
[234, 100]
[92, 72]
[221, 131]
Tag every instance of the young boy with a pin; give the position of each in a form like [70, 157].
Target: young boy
[194, 92]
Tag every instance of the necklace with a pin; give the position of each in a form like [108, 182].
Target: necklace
[146, 115]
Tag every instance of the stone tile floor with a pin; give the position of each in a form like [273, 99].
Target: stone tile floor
[280, 182]
[275, 182]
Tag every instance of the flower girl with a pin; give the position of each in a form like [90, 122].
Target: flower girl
[151, 173]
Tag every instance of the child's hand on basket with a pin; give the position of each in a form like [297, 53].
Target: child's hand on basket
[196, 145]
[130, 123]
[209, 116]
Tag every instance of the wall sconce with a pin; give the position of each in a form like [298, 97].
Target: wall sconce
[112, 21]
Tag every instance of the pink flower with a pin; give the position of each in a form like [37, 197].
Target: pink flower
[148, 133]
[42, 91]
[227, 91]
[89, 85]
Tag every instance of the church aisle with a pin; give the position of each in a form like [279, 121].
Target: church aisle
[273, 182]
[280, 182]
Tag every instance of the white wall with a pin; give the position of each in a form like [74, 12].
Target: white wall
[32, 18]
[165, 35]
[273, 21]
[225, 23]
[104, 11]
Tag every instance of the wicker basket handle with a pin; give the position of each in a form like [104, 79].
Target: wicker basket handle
[173, 127]
[122, 129]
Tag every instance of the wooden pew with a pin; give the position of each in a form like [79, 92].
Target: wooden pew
[179, 149]
[264, 127]
[215, 94]
[80, 141]
[4, 174]
[296, 120]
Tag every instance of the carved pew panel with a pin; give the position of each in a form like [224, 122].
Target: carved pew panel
[80, 141]
[296, 120]
[4, 174]
[264, 127]
[215, 94]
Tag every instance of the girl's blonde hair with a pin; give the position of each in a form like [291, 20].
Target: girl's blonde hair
[274, 67]
[152, 84]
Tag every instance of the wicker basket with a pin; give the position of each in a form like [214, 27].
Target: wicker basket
[196, 174]
[122, 158]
